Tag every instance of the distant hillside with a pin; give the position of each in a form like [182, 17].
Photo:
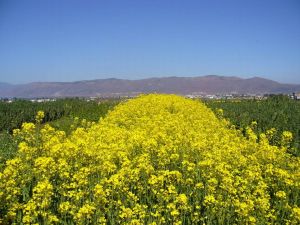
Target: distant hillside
[211, 84]
[5, 86]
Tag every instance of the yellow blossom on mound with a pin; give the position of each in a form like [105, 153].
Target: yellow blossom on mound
[156, 159]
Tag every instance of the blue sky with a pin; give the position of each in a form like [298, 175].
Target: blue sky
[60, 40]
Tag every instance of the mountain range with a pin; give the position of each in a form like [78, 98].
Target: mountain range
[211, 84]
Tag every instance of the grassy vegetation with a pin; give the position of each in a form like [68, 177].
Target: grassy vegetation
[60, 114]
[12, 115]
[279, 112]
[8, 148]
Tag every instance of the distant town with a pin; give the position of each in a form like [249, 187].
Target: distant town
[294, 96]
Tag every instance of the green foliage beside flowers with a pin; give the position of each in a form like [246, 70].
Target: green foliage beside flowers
[273, 116]
[60, 114]
[13, 114]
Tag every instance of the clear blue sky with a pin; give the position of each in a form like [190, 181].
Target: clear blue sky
[60, 40]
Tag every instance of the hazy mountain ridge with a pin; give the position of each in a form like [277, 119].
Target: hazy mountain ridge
[211, 84]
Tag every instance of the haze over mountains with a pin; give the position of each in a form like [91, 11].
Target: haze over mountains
[211, 84]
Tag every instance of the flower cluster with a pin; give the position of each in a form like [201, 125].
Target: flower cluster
[156, 159]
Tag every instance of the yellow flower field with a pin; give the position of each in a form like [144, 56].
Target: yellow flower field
[156, 159]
